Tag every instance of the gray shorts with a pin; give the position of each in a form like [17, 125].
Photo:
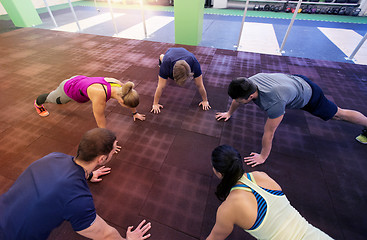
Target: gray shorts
[58, 95]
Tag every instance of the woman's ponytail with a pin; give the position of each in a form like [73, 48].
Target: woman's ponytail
[227, 161]
[129, 95]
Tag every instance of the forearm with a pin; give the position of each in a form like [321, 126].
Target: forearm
[267, 142]
[100, 230]
[211, 237]
[203, 94]
[101, 121]
[233, 107]
[113, 234]
[157, 95]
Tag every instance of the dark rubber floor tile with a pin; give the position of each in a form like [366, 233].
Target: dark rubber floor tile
[177, 199]
[193, 161]
[203, 122]
[147, 148]
[126, 188]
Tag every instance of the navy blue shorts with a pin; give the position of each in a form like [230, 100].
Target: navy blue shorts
[319, 105]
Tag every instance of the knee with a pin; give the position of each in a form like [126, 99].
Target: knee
[58, 100]
[339, 115]
[338, 118]
[344, 114]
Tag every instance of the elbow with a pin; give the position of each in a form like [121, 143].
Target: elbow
[111, 233]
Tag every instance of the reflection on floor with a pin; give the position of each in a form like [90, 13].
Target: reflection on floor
[163, 173]
[259, 35]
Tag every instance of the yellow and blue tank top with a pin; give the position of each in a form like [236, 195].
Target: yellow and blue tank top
[261, 203]
[113, 84]
[276, 218]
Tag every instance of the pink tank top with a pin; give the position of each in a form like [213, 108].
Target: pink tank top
[76, 87]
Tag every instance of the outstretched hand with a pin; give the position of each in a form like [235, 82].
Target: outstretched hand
[222, 115]
[139, 232]
[156, 108]
[254, 159]
[139, 116]
[205, 105]
[100, 172]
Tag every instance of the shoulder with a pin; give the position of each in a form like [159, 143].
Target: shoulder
[239, 208]
[257, 76]
[194, 59]
[264, 180]
[166, 65]
[96, 92]
[56, 155]
[236, 200]
[259, 174]
[227, 208]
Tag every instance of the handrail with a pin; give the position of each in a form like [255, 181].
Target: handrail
[306, 3]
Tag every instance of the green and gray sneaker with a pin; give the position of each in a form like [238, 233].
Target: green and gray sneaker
[362, 138]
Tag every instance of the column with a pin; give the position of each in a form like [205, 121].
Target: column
[21, 12]
[189, 15]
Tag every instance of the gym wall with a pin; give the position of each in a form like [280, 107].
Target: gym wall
[40, 4]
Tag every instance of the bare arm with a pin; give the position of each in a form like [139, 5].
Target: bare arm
[134, 111]
[270, 127]
[200, 85]
[227, 115]
[233, 107]
[158, 93]
[98, 99]
[223, 224]
[101, 230]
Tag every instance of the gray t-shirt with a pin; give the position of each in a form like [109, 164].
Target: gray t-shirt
[278, 91]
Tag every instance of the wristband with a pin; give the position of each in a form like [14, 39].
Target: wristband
[135, 113]
[90, 176]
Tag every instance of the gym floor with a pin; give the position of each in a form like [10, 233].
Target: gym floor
[163, 173]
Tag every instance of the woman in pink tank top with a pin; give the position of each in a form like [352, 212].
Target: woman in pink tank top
[96, 89]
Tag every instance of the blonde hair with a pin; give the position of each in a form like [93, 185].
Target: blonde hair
[129, 95]
[181, 72]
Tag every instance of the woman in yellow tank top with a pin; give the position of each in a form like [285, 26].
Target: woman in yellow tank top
[254, 202]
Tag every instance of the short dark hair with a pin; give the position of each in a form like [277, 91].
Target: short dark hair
[241, 87]
[95, 142]
[227, 161]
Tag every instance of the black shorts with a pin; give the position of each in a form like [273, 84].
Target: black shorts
[319, 105]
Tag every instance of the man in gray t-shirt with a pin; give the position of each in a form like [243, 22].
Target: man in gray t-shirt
[278, 92]
[275, 92]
